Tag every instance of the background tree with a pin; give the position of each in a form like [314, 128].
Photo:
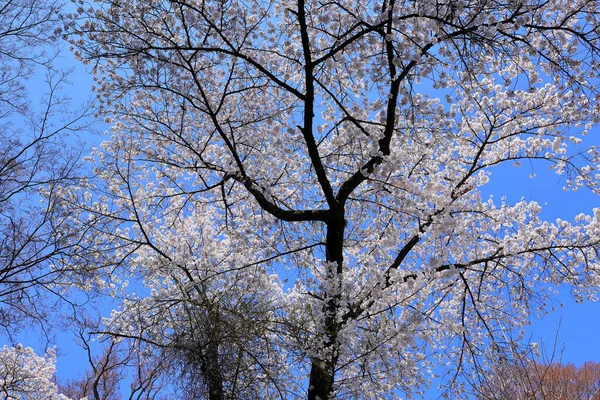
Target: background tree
[342, 148]
[211, 320]
[27, 41]
[529, 375]
[112, 369]
[35, 155]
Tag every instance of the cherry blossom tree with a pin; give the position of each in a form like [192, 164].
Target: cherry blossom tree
[25, 375]
[311, 174]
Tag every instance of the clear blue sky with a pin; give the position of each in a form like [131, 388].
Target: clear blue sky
[579, 322]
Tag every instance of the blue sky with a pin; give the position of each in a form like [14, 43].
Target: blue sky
[577, 324]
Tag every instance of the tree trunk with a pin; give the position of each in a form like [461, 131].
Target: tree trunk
[322, 373]
[211, 370]
[321, 380]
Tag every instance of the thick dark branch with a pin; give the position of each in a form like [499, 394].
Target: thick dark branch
[367, 168]
[362, 174]
[132, 337]
[309, 111]
[263, 201]
[278, 212]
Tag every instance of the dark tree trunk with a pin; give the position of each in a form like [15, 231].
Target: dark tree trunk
[322, 373]
[212, 372]
[211, 365]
